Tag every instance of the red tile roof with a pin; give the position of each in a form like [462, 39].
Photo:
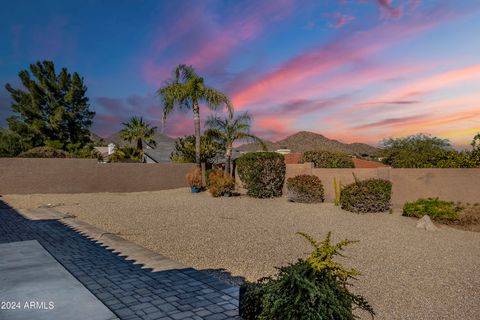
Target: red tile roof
[292, 158]
[360, 163]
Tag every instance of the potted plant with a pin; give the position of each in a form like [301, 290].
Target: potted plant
[194, 179]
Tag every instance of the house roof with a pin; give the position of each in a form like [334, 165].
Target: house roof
[159, 153]
[220, 157]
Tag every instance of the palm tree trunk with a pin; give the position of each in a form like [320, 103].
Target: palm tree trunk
[228, 158]
[140, 146]
[196, 122]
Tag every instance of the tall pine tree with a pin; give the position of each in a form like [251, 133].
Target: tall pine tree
[51, 109]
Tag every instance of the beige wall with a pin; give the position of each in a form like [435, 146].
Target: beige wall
[23, 176]
[408, 184]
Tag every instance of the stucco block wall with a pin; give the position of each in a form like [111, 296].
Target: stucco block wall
[408, 184]
[448, 184]
[23, 176]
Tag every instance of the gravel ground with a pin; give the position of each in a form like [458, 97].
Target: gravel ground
[407, 273]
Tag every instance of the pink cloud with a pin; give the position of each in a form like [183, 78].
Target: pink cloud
[211, 40]
[427, 85]
[333, 56]
[389, 10]
[294, 89]
[341, 20]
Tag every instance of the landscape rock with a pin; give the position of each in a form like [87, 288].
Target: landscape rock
[426, 224]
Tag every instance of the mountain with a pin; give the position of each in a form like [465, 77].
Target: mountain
[97, 140]
[303, 141]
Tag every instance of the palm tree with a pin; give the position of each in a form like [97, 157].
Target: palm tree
[230, 129]
[126, 154]
[187, 90]
[136, 130]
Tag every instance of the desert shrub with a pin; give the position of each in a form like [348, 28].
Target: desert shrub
[45, 152]
[250, 300]
[313, 288]
[207, 176]
[328, 159]
[434, 208]
[194, 177]
[184, 151]
[11, 144]
[372, 195]
[262, 173]
[305, 188]
[460, 159]
[220, 183]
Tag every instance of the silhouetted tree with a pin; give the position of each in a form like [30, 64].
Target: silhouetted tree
[51, 109]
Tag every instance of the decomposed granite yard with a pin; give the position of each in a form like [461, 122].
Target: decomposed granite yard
[407, 273]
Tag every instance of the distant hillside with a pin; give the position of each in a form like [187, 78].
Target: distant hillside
[97, 140]
[304, 141]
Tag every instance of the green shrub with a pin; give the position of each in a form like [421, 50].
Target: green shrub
[11, 144]
[433, 207]
[315, 288]
[262, 173]
[220, 184]
[45, 152]
[328, 159]
[372, 195]
[305, 188]
[250, 300]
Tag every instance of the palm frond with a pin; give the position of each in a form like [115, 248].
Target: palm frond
[216, 99]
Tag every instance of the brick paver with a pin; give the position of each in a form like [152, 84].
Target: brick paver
[128, 290]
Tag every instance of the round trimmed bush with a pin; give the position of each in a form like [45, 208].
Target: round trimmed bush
[328, 159]
[262, 173]
[372, 195]
[305, 188]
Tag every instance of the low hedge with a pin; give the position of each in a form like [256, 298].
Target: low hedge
[45, 152]
[434, 208]
[305, 188]
[262, 173]
[328, 159]
[372, 195]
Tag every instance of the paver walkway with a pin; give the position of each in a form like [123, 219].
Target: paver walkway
[38, 287]
[125, 288]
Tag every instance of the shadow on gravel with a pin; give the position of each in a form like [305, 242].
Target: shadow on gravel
[225, 276]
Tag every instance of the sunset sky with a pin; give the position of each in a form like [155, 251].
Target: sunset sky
[352, 70]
